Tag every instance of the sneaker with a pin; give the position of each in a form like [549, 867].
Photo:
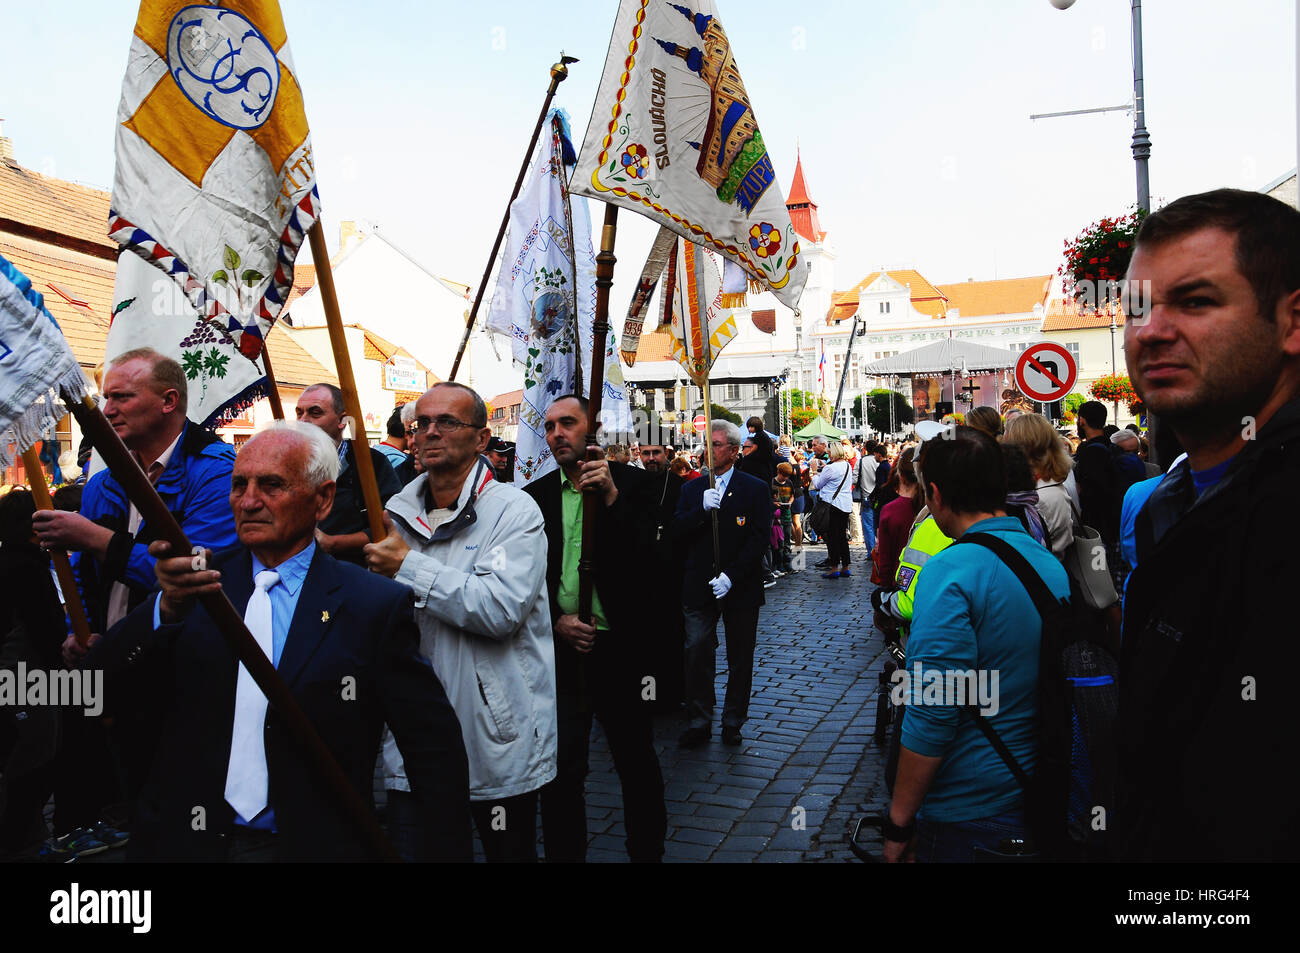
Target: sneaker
[65, 849]
[111, 836]
[768, 584]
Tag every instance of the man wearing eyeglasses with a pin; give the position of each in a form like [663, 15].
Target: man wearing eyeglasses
[473, 550]
[343, 532]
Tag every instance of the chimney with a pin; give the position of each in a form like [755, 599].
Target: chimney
[348, 234]
[6, 148]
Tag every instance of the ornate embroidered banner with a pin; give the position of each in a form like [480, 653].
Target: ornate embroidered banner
[215, 184]
[673, 137]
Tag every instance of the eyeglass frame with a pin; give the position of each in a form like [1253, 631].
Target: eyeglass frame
[445, 424]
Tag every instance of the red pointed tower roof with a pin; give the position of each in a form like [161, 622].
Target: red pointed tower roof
[803, 210]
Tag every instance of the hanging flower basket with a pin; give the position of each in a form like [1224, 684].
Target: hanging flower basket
[1097, 259]
[1113, 388]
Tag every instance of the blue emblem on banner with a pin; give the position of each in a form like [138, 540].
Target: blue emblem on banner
[223, 65]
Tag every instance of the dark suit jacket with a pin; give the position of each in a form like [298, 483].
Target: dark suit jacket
[744, 532]
[348, 624]
[621, 530]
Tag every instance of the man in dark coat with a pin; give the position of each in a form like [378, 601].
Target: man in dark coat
[344, 641]
[1208, 766]
[345, 529]
[600, 666]
[728, 584]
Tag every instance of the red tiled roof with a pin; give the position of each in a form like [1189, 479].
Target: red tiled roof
[509, 399]
[1004, 296]
[655, 346]
[49, 209]
[304, 279]
[926, 298]
[1063, 315]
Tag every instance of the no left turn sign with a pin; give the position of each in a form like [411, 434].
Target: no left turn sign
[1046, 372]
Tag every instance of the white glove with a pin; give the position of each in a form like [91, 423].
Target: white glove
[712, 498]
[721, 585]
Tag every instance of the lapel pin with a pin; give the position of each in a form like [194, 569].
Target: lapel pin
[325, 616]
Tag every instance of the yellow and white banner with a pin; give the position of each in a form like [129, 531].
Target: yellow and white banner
[673, 136]
[701, 325]
[215, 183]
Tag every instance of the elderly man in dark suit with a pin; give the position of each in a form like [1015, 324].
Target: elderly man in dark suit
[228, 781]
[728, 584]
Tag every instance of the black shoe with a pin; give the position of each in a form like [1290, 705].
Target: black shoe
[694, 737]
[730, 735]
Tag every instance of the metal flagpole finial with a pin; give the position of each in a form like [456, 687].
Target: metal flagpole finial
[560, 71]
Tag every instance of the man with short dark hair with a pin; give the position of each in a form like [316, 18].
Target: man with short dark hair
[344, 531]
[600, 665]
[954, 796]
[1095, 474]
[1207, 759]
[229, 781]
[393, 446]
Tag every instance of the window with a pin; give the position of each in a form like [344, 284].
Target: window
[670, 398]
[733, 392]
[1073, 348]
[884, 307]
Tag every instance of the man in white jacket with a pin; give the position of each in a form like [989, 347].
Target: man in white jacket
[473, 550]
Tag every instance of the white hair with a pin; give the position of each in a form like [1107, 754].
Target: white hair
[322, 455]
[408, 413]
[1124, 436]
[730, 429]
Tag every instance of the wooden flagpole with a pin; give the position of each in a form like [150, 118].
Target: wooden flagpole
[600, 331]
[230, 623]
[62, 568]
[272, 391]
[559, 72]
[347, 383]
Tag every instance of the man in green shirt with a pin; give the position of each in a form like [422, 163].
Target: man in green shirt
[602, 666]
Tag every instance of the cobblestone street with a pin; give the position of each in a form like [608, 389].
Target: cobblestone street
[807, 744]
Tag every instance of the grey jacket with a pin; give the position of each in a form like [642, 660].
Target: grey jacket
[485, 624]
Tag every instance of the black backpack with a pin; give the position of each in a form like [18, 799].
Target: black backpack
[1068, 800]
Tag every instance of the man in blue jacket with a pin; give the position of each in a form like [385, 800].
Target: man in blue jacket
[145, 400]
[974, 625]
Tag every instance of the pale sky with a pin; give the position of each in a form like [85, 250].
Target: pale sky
[912, 117]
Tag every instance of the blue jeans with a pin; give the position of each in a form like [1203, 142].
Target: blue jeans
[959, 842]
[868, 525]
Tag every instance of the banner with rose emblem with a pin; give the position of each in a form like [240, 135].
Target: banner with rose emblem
[214, 183]
[673, 137]
[539, 289]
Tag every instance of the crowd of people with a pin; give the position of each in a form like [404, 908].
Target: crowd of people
[463, 655]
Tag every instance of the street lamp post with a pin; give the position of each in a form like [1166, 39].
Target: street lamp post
[1141, 138]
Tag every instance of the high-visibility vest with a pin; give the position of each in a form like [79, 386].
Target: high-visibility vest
[925, 541]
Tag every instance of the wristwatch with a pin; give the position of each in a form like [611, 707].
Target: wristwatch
[893, 832]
